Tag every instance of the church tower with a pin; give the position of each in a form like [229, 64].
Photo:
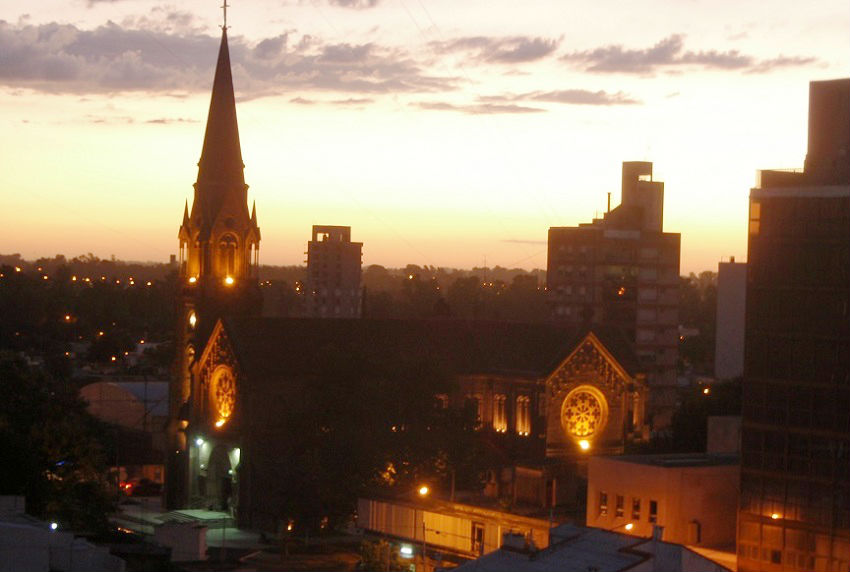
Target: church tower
[219, 254]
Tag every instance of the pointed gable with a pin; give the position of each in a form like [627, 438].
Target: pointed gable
[590, 361]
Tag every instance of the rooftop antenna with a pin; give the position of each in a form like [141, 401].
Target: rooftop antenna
[224, 7]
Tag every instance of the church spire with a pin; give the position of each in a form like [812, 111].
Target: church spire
[221, 158]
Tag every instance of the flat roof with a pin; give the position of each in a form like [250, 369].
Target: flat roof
[680, 459]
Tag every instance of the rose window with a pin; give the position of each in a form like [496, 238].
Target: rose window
[582, 413]
[224, 393]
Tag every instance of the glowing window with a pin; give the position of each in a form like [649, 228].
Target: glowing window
[500, 419]
[227, 248]
[523, 415]
[584, 412]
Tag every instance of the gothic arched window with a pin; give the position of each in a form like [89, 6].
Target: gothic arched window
[227, 249]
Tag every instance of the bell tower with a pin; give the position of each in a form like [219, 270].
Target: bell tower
[219, 254]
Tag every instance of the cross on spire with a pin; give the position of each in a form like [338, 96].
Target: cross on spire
[224, 7]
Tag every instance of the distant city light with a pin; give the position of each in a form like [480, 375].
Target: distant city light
[192, 280]
[423, 490]
[220, 423]
[706, 391]
[113, 358]
[54, 525]
[67, 317]
[193, 319]
[229, 280]
[584, 444]
[630, 526]
[199, 441]
[774, 516]
[406, 551]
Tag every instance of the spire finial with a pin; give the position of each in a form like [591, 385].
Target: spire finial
[224, 8]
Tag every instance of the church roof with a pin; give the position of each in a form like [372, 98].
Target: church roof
[277, 348]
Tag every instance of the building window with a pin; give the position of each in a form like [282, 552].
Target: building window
[618, 511]
[603, 503]
[523, 415]
[228, 254]
[636, 509]
[500, 418]
[653, 511]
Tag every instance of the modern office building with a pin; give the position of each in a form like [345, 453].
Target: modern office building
[623, 271]
[333, 273]
[795, 480]
[729, 332]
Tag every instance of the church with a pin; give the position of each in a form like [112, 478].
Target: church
[566, 392]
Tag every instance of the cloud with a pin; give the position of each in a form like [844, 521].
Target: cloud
[477, 109]
[355, 4]
[567, 97]
[503, 50]
[670, 54]
[61, 58]
[170, 120]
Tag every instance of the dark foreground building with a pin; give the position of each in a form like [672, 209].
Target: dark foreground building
[795, 482]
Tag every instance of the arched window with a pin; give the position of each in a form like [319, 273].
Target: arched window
[523, 415]
[227, 249]
[500, 418]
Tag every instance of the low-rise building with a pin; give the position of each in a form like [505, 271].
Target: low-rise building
[692, 496]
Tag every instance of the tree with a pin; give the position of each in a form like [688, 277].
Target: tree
[50, 451]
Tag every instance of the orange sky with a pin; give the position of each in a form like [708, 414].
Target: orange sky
[445, 134]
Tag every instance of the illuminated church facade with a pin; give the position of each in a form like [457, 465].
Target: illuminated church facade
[565, 392]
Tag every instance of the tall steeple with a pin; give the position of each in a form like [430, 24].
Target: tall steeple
[221, 177]
[221, 238]
[219, 254]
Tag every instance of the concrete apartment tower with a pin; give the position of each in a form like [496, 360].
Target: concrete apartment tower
[729, 332]
[795, 451]
[333, 273]
[623, 271]
[219, 253]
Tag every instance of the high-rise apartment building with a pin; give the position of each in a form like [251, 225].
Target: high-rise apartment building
[729, 317]
[623, 271]
[333, 273]
[795, 468]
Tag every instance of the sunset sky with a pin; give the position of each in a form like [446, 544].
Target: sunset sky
[451, 133]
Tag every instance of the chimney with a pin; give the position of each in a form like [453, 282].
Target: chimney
[657, 532]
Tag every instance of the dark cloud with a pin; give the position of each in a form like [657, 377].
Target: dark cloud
[477, 109]
[355, 4]
[670, 54]
[64, 59]
[505, 50]
[567, 97]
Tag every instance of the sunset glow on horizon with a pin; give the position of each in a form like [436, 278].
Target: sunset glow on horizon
[444, 134]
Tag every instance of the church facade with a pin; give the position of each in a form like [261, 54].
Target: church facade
[563, 396]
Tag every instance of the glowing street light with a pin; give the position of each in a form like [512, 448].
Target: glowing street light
[706, 391]
[775, 516]
[629, 526]
[199, 441]
[220, 423]
[424, 490]
[584, 445]
[193, 319]
[192, 279]
[54, 525]
[229, 281]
